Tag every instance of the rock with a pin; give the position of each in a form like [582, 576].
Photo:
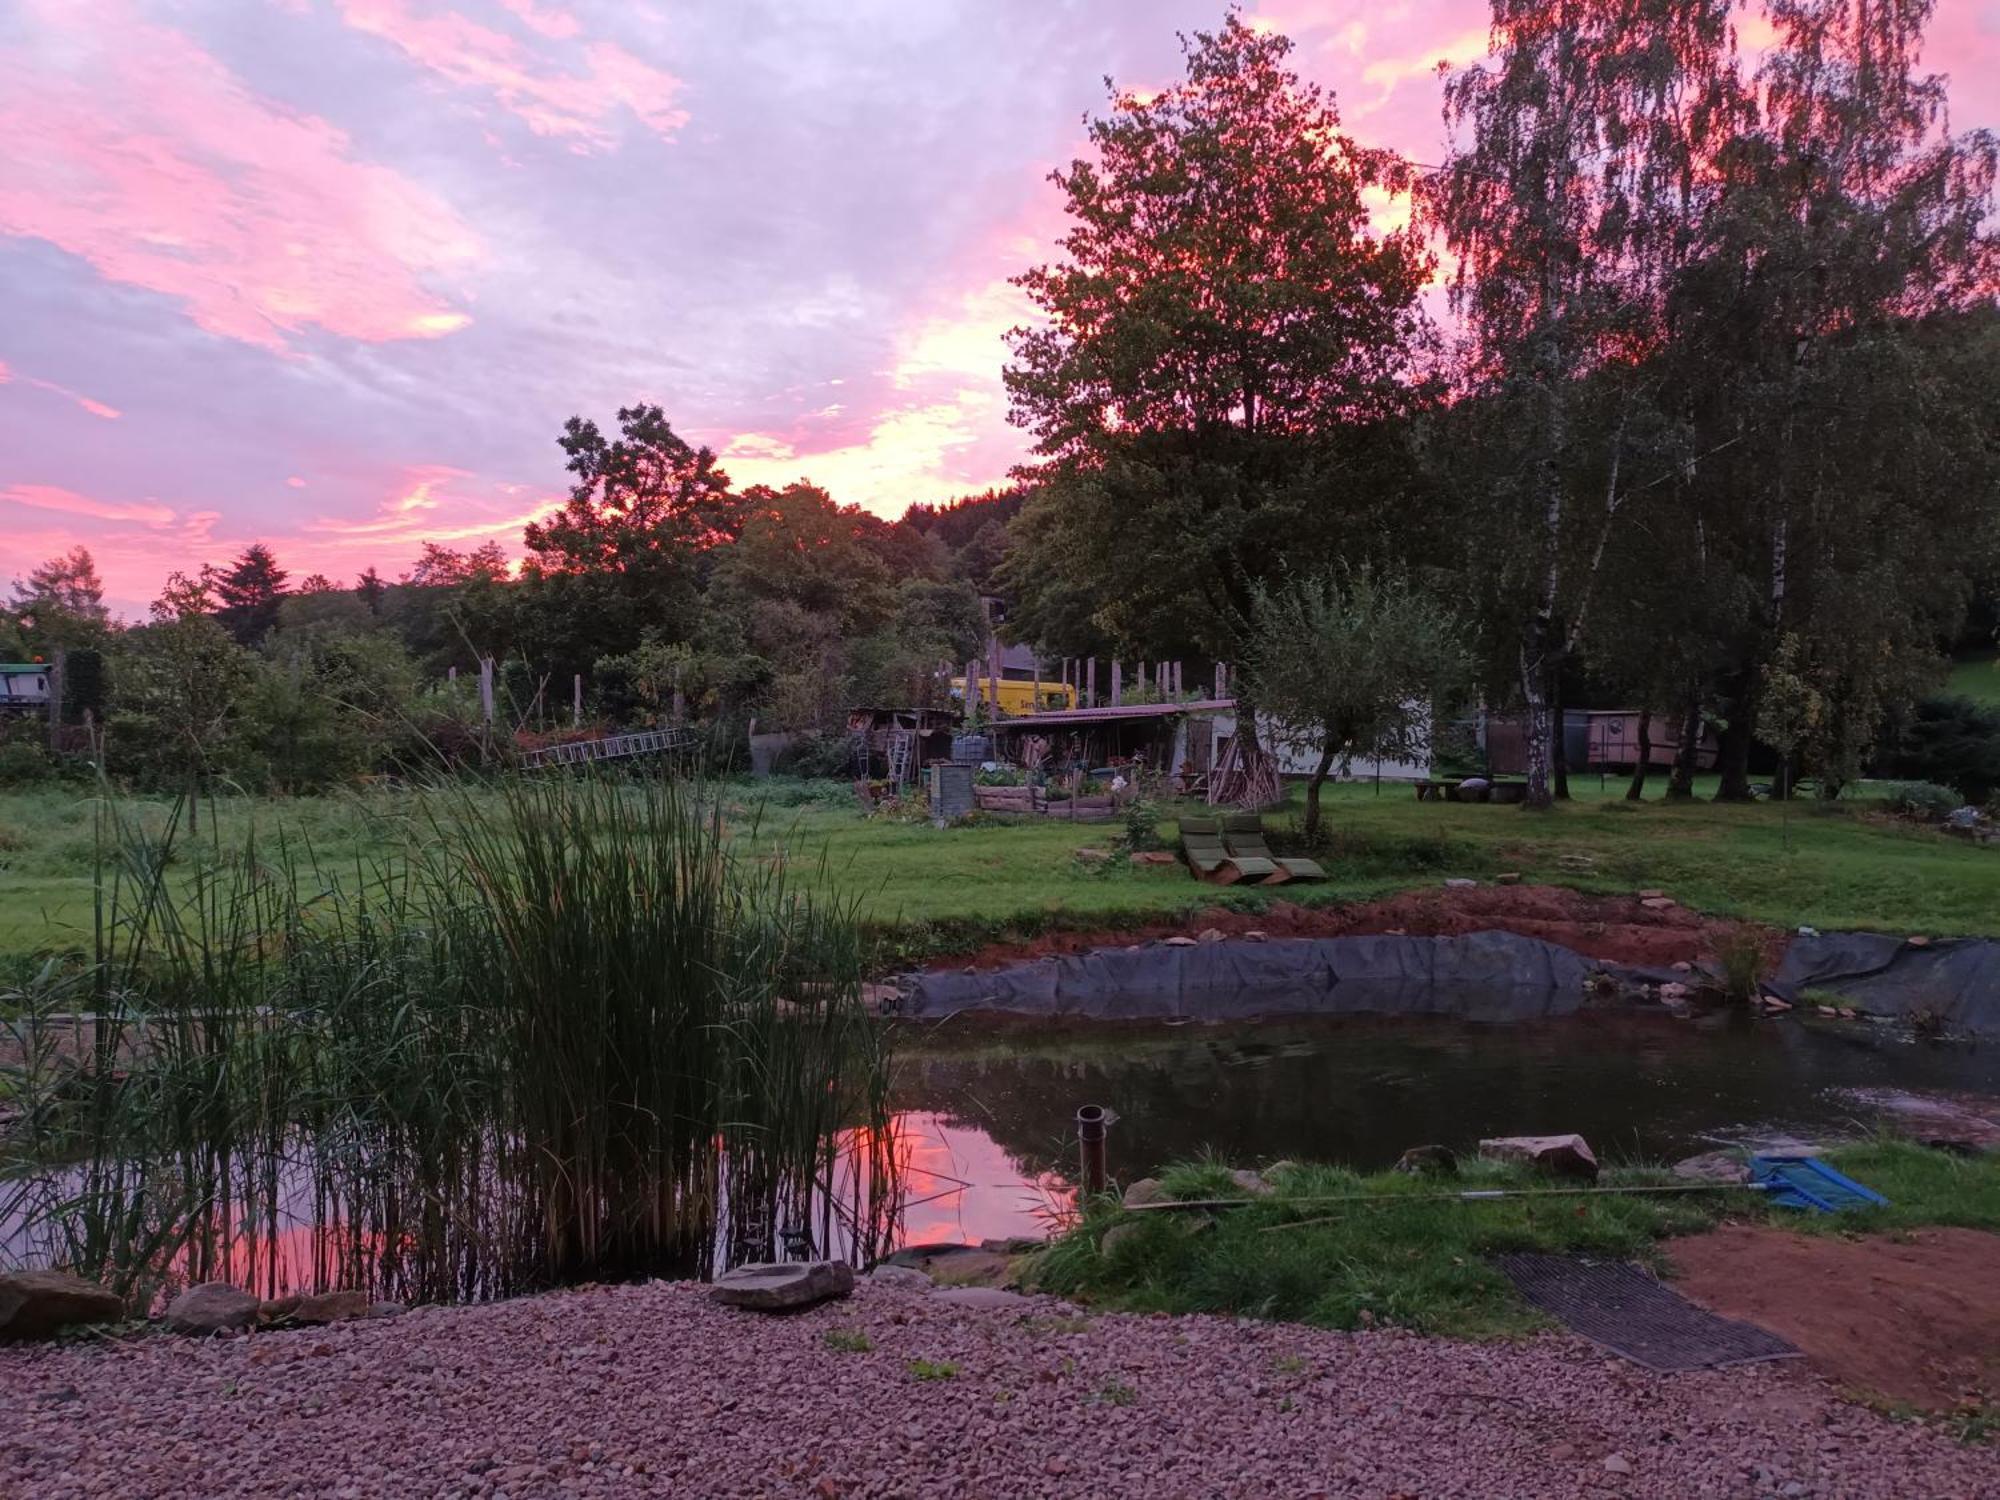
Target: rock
[1460, 883]
[1145, 1190]
[1424, 1160]
[1672, 993]
[1683, 967]
[905, 1278]
[1210, 935]
[1179, 942]
[1154, 857]
[1509, 877]
[387, 1310]
[1016, 1244]
[1279, 1168]
[212, 1307]
[1652, 895]
[881, 999]
[1116, 1235]
[35, 1304]
[1093, 856]
[1918, 940]
[332, 1307]
[1254, 936]
[982, 1298]
[1563, 1155]
[1658, 903]
[1713, 1166]
[1773, 1004]
[1617, 1463]
[1250, 1182]
[779, 1286]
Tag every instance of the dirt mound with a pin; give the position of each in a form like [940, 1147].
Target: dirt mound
[1914, 1319]
[1615, 929]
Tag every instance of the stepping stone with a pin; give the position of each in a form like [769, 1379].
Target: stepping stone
[35, 1304]
[1564, 1155]
[782, 1286]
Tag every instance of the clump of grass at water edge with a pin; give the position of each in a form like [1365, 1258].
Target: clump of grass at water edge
[570, 1036]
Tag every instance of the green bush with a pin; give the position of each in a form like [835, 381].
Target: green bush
[23, 763]
[1924, 800]
[1952, 742]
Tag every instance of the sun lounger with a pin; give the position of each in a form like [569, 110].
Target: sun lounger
[1243, 837]
[1201, 842]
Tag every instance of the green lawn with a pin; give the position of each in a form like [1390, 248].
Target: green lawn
[1847, 865]
[1977, 678]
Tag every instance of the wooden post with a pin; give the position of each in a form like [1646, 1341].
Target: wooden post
[1035, 706]
[486, 687]
[55, 674]
[1117, 682]
[971, 694]
[576, 699]
[1221, 680]
[1142, 679]
[993, 671]
[451, 674]
[1090, 683]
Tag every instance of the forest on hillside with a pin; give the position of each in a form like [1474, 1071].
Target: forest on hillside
[1707, 430]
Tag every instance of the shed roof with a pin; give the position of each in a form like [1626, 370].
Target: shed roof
[1111, 713]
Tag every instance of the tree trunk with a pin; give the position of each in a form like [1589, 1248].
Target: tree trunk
[1535, 693]
[1312, 790]
[1733, 761]
[1687, 755]
[1636, 792]
[1559, 758]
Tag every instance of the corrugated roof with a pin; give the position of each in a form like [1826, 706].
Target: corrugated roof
[1115, 712]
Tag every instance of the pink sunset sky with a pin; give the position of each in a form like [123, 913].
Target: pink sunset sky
[330, 274]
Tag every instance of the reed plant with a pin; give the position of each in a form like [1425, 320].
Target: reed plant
[557, 1030]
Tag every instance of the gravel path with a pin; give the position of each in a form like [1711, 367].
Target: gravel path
[652, 1390]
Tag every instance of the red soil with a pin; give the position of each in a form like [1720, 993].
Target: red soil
[1616, 929]
[1914, 1318]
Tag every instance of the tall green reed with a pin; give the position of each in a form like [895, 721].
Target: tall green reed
[563, 1032]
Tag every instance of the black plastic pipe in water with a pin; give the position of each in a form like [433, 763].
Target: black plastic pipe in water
[1091, 1124]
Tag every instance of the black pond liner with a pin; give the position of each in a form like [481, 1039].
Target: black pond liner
[1497, 976]
[1953, 981]
[1621, 1308]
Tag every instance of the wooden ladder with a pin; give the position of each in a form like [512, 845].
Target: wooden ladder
[901, 743]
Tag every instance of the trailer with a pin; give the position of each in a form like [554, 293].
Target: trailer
[24, 686]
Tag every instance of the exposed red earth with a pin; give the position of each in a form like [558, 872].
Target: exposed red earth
[1616, 929]
[1912, 1318]
[653, 1390]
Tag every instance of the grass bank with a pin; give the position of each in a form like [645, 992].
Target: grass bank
[1843, 865]
[1410, 1258]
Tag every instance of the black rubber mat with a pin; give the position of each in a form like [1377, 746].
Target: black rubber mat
[1622, 1308]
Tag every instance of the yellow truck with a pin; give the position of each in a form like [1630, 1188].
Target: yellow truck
[1018, 698]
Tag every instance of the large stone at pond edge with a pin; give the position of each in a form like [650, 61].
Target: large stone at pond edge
[212, 1307]
[317, 1308]
[780, 1286]
[35, 1304]
[1713, 1166]
[1563, 1155]
[1422, 1160]
[1145, 1190]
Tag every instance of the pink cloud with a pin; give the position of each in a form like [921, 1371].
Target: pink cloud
[69, 502]
[135, 150]
[546, 19]
[551, 102]
[95, 408]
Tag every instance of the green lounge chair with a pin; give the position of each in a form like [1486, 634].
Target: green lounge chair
[1201, 842]
[1243, 835]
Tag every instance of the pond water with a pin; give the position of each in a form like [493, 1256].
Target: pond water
[992, 1106]
[980, 1144]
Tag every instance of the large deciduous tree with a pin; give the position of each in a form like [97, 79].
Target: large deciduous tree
[628, 553]
[1568, 201]
[1835, 331]
[1223, 323]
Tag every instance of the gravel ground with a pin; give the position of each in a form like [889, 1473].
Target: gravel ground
[652, 1390]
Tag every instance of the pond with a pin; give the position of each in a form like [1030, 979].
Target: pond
[993, 1104]
[977, 1142]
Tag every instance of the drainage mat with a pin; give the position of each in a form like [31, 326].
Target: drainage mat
[1628, 1312]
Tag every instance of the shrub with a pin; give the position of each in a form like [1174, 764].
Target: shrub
[1952, 742]
[22, 764]
[1925, 801]
[1740, 955]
